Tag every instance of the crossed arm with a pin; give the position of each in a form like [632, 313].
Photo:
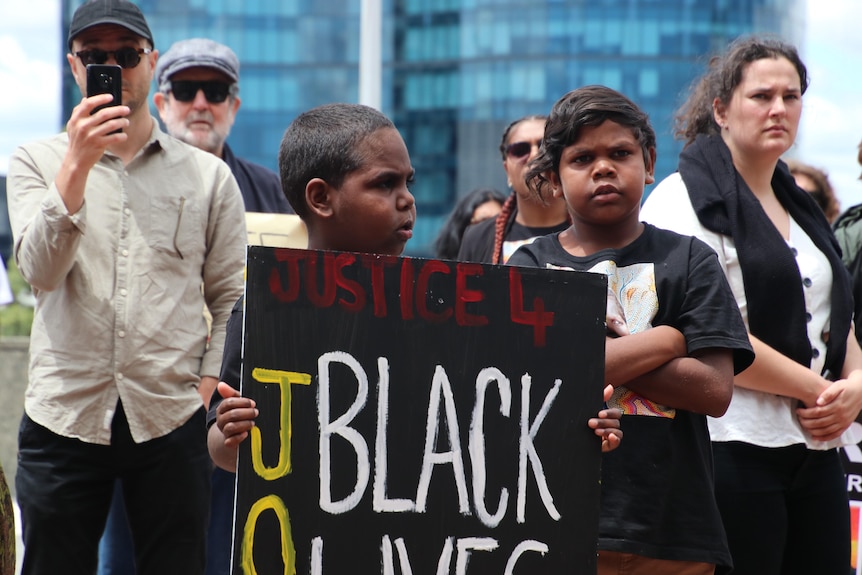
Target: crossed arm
[655, 364]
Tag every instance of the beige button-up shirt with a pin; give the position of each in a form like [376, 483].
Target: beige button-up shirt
[118, 284]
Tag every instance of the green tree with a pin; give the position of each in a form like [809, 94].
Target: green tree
[17, 317]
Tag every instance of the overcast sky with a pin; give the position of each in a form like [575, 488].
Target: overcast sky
[832, 107]
[831, 123]
[29, 73]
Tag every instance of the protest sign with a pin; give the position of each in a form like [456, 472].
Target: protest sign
[418, 416]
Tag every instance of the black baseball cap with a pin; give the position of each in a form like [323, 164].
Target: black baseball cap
[120, 12]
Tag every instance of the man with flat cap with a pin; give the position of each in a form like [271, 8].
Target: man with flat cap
[197, 99]
[117, 232]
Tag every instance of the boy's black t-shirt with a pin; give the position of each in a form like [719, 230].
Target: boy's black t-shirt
[231, 363]
[657, 486]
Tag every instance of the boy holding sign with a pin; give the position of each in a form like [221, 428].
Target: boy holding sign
[345, 170]
[675, 362]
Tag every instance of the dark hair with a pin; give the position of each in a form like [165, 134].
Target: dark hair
[823, 193]
[587, 106]
[448, 241]
[324, 142]
[504, 142]
[722, 77]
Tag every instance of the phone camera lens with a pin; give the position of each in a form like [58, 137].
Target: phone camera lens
[105, 80]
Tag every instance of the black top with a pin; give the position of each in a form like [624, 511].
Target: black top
[477, 244]
[260, 186]
[657, 486]
[726, 205]
[261, 192]
[231, 363]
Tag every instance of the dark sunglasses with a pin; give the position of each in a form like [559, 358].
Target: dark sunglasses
[126, 57]
[521, 149]
[214, 91]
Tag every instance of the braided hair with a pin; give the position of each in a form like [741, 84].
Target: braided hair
[502, 225]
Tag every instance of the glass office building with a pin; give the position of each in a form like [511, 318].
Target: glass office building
[456, 72]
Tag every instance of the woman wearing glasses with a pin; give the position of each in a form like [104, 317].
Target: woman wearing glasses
[524, 216]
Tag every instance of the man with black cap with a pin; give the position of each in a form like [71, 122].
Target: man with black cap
[116, 232]
[197, 99]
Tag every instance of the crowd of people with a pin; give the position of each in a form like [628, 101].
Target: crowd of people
[732, 370]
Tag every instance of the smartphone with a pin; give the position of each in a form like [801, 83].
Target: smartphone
[105, 79]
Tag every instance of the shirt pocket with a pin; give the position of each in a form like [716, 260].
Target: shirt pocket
[175, 226]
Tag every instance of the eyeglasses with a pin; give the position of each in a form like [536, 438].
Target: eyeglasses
[521, 149]
[126, 57]
[214, 91]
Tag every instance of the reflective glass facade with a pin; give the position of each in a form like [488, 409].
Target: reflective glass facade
[456, 72]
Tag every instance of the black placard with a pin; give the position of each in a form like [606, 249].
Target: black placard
[418, 416]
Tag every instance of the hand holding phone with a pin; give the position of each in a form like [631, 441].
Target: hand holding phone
[105, 79]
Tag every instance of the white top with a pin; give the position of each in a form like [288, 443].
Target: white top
[755, 417]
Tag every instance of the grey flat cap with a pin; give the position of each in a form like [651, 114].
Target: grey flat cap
[197, 53]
